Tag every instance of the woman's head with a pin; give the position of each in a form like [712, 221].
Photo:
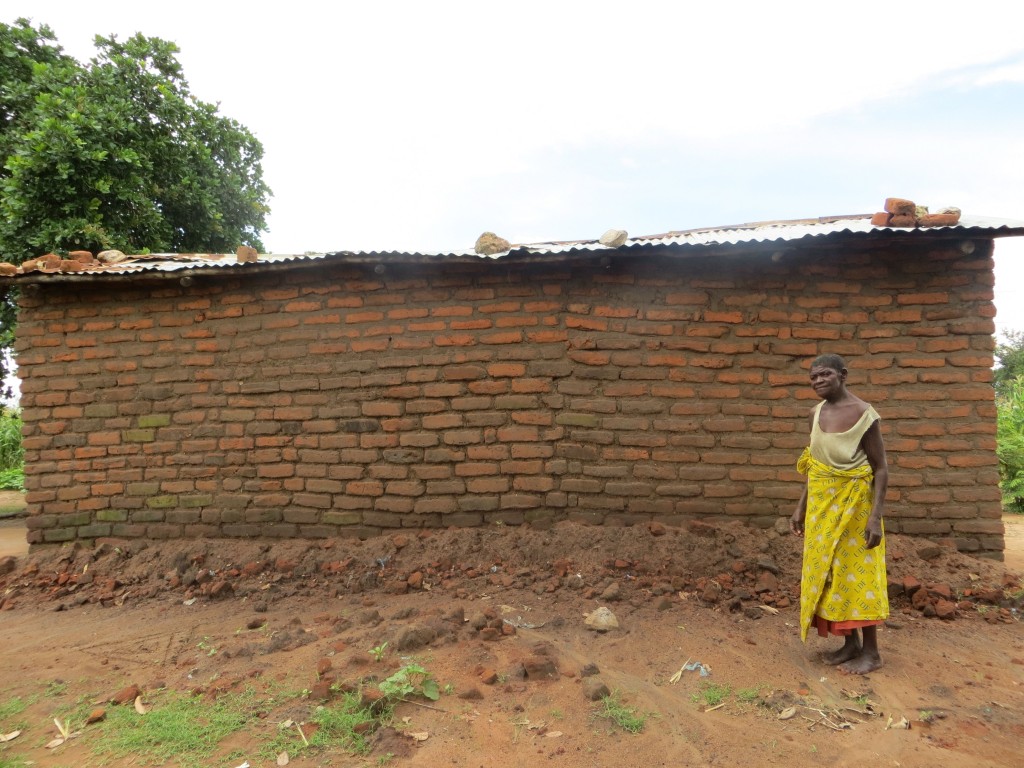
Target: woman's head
[835, 362]
[828, 377]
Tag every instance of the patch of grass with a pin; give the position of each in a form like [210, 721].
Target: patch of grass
[11, 708]
[749, 695]
[712, 694]
[207, 646]
[9, 711]
[55, 688]
[184, 728]
[347, 724]
[626, 717]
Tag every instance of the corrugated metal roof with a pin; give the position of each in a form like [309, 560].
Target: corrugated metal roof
[829, 227]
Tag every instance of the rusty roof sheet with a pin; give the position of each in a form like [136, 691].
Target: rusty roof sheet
[825, 228]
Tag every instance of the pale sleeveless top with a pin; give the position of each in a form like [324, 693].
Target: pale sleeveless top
[842, 450]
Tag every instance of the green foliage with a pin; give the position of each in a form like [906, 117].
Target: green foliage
[12, 455]
[712, 694]
[1010, 443]
[1009, 354]
[12, 479]
[626, 717]
[410, 680]
[184, 729]
[11, 708]
[748, 695]
[344, 724]
[116, 153]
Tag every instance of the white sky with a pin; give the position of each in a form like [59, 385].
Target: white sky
[418, 125]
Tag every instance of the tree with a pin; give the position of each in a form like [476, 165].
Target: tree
[1010, 443]
[116, 153]
[1009, 355]
[1008, 379]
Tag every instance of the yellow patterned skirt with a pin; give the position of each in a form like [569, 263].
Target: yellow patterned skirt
[841, 580]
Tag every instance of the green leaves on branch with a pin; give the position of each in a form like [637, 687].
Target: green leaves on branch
[1009, 354]
[1008, 379]
[118, 153]
[1010, 443]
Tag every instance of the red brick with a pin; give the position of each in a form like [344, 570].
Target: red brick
[351, 317]
[508, 337]
[971, 360]
[939, 220]
[973, 327]
[900, 206]
[743, 300]
[807, 332]
[619, 312]
[839, 287]
[365, 488]
[923, 298]
[723, 317]
[546, 337]
[908, 315]
[471, 325]
[908, 361]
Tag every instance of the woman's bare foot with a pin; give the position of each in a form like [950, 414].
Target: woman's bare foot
[863, 664]
[851, 649]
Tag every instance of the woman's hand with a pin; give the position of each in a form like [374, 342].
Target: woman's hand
[873, 532]
[796, 522]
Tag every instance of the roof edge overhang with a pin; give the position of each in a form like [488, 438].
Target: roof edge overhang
[760, 237]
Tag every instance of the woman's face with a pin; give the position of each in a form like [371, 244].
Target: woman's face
[827, 382]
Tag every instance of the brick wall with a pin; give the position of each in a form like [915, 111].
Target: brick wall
[332, 400]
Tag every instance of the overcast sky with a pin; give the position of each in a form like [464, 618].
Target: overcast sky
[418, 125]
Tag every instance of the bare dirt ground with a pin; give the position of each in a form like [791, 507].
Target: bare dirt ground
[497, 615]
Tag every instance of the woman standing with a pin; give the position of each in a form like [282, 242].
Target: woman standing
[843, 583]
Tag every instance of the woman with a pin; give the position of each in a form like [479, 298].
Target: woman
[843, 584]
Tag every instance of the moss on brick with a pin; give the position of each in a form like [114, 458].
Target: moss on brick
[111, 515]
[342, 518]
[59, 534]
[155, 420]
[138, 435]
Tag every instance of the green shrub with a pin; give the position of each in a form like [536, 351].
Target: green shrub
[12, 455]
[1010, 444]
[12, 479]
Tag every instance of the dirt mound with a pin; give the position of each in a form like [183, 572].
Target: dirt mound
[496, 617]
[729, 563]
